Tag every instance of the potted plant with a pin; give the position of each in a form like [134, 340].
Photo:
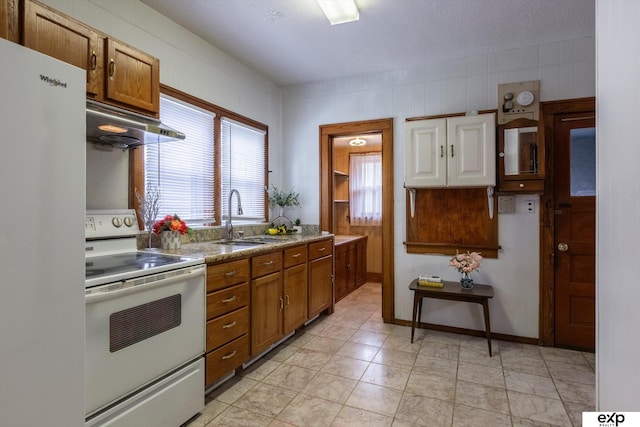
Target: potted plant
[297, 225]
[283, 198]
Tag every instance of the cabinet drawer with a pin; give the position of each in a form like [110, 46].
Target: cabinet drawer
[226, 359]
[294, 256]
[265, 264]
[227, 300]
[223, 275]
[531, 186]
[320, 249]
[225, 328]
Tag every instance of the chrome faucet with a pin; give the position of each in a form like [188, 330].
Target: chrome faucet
[227, 226]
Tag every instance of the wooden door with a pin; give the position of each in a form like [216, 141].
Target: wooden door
[574, 231]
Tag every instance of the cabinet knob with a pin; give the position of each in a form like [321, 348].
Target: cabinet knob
[500, 154]
[521, 185]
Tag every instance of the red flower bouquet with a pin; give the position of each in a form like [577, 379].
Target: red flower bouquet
[171, 223]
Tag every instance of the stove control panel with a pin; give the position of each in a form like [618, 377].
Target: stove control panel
[101, 224]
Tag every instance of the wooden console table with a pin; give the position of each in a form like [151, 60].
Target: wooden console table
[452, 291]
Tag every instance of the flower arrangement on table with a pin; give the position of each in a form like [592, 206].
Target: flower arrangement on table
[171, 223]
[466, 263]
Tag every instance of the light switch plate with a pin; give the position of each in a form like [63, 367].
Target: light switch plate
[506, 204]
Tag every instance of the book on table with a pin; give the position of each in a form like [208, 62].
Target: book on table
[430, 281]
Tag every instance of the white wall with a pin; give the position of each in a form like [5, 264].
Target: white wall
[618, 206]
[565, 69]
[187, 63]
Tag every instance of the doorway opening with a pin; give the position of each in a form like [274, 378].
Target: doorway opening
[335, 215]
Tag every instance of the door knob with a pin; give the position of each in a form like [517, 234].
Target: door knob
[563, 247]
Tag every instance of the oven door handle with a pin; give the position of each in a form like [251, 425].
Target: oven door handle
[128, 287]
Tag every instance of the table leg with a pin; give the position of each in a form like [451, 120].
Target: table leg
[487, 323]
[415, 313]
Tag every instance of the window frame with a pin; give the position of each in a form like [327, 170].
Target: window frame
[136, 156]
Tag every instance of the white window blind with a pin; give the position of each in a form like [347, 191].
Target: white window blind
[365, 188]
[183, 170]
[243, 159]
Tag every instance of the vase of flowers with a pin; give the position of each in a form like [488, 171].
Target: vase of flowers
[171, 229]
[465, 264]
[283, 199]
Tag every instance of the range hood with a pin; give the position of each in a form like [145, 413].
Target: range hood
[124, 129]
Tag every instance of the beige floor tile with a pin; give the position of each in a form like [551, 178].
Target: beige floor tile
[282, 352]
[508, 348]
[345, 367]
[538, 408]
[431, 385]
[434, 365]
[354, 417]
[561, 355]
[337, 331]
[480, 344]
[576, 392]
[311, 411]
[266, 400]
[210, 411]
[530, 384]
[424, 411]
[439, 349]
[527, 365]
[486, 375]
[387, 376]
[387, 356]
[574, 373]
[466, 416]
[260, 369]
[369, 338]
[375, 398]
[444, 337]
[233, 389]
[324, 344]
[290, 377]
[591, 360]
[482, 397]
[480, 357]
[523, 422]
[356, 350]
[310, 359]
[330, 387]
[402, 343]
[377, 326]
[575, 410]
[239, 417]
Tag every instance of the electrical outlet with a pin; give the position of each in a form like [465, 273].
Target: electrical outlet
[531, 206]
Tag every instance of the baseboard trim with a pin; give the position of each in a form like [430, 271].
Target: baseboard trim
[470, 332]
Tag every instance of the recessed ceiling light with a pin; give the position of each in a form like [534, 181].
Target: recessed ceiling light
[339, 11]
[357, 142]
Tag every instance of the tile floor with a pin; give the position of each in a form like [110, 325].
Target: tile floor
[351, 369]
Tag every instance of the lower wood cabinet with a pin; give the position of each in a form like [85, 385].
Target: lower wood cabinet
[350, 265]
[320, 277]
[227, 328]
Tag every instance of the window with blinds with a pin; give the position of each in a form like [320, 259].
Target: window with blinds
[183, 171]
[243, 160]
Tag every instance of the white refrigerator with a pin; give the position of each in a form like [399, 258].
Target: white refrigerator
[42, 211]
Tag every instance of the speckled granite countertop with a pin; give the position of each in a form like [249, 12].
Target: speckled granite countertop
[342, 239]
[215, 252]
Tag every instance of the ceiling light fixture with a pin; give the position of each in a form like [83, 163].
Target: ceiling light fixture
[358, 142]
[340, 11]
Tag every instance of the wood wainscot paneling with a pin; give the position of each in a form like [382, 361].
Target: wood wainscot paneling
[450, 220]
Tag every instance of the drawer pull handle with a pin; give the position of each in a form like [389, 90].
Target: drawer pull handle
[229, 273]
[94, 60]
[296, 255]
[232, 298]
[287, 298]
[281, 304]
[229, 325]
[229, 356]
[322, 249]
[267, 262]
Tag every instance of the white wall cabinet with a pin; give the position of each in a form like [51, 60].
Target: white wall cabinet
[456, 151]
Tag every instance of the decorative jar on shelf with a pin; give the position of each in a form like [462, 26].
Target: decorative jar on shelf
[466, 281]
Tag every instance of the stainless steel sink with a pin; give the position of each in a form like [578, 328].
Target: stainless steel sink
[239, 242]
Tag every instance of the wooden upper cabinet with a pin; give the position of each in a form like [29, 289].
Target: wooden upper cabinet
[9, 20]
[117, 73]
[57, 35]
[521, 156]
[132, 77]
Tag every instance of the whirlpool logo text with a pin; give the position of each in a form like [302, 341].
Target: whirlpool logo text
[52, 82]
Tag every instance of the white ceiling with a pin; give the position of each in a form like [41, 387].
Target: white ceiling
[291, 41]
